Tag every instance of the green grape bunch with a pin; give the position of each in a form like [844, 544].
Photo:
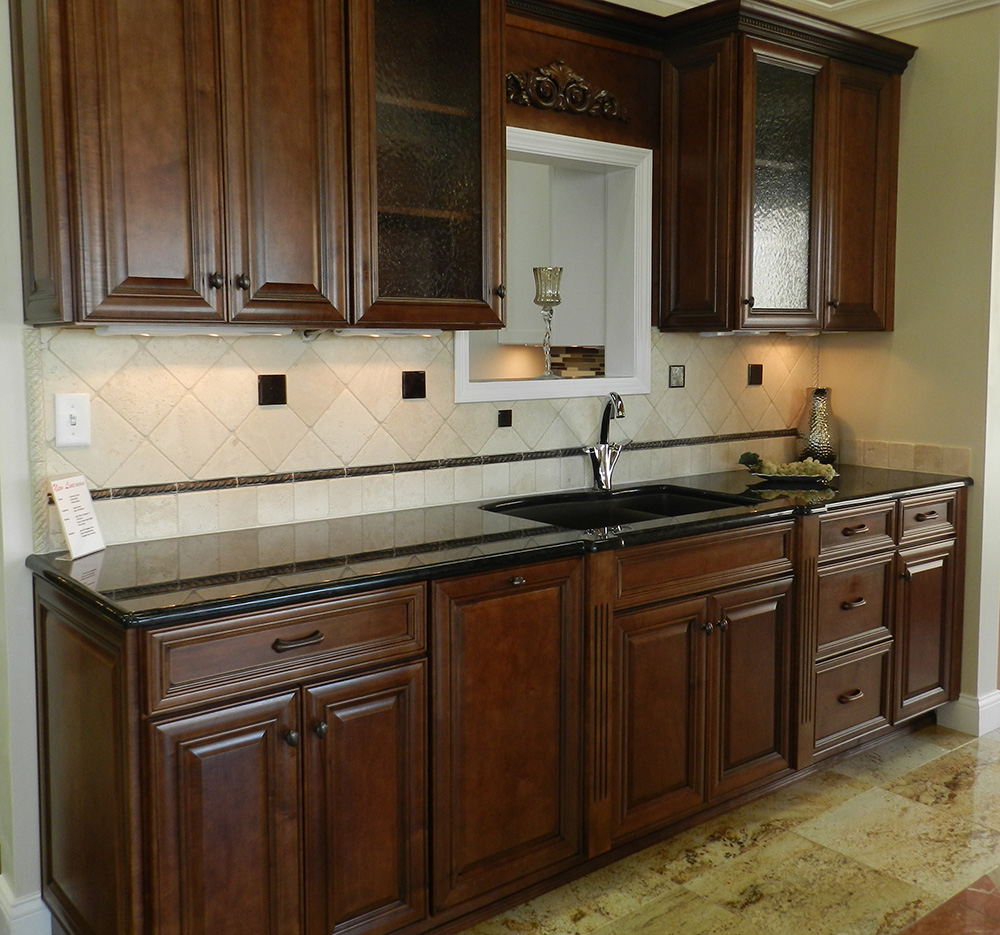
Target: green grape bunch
[809, 467]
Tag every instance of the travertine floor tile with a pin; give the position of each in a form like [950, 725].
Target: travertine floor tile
[887, 762]
[691, 853]
[796, 886]
[913, 842]
[683, 913]
[965, 782]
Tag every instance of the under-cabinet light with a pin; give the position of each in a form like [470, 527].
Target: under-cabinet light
[183, 329]
[387, 332]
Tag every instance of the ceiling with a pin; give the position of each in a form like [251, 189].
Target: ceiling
[877, 15]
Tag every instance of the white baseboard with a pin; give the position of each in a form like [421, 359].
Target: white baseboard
[971, 714]
[22, 915]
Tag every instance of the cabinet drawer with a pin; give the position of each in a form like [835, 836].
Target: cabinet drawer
[852, 697]
[210, 660]
[701, 563]
[927, 517]
[861, 529]
[855, 603]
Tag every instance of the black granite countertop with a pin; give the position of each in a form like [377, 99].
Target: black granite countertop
[169, 581]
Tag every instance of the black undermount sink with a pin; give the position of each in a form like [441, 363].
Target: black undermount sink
[598, 509]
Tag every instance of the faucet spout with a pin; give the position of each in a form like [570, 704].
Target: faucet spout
[604, 455]
[614, 408]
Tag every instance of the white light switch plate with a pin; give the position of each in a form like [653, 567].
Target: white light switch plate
[72, 420]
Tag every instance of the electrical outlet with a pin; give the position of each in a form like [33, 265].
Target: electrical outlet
[72, 420]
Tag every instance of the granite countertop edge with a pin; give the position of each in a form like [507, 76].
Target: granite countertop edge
[125, 585]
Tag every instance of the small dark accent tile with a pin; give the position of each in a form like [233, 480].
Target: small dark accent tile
[272, 389]
[505, 418]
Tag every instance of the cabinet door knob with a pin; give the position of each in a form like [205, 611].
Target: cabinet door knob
[708, 627]
[848, 697]
[243, 281]
[216, 280]
[853, 605]
[834, 303]
[723, 624]
[501, 291]
[749, 302]
[320, 729]
[292, 738]
[855, 530]
[517, 581]
[923, 517]
[283, 646]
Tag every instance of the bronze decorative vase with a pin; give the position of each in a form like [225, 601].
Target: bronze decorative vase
[818, 438]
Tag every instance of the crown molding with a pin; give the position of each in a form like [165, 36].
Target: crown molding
[875, 15]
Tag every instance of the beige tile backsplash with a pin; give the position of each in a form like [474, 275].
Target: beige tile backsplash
[169, 409]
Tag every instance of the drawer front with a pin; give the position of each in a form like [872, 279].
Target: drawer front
[211, 660]
[852, 697]
[928, 517]
[855, 602]
[701, 563]
[861, 529]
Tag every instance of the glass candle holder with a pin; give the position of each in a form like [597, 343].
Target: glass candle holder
[547, 298]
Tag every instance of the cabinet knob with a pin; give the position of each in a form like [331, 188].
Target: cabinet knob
[852, 605]
[243, 281]
[320, 729]
[834, 303]
[723, 624]
[923, 517]
[501, 291]
[749, 302]
[848, 697]
[708, 627]
[855, 530]
[517, 581]
[292, 738]
[216, 280]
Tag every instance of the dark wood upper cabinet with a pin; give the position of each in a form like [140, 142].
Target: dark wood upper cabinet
[195, 156]
[780, 141]
[427, 168]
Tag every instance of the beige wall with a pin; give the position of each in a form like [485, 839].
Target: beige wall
[926, 382]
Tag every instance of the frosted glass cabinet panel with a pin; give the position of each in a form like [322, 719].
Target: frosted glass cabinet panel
[781, 132]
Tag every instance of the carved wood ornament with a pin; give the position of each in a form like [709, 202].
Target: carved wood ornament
[558, 87]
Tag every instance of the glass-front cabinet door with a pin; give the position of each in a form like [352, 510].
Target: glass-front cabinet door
[428, 161]
[781, 137]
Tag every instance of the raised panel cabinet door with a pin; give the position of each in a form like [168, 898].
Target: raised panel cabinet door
[507, 744]
[657, 713]
[699, 181]
[224, 820]
[860, 210]
[145, 200]
[365, 748]
[749, 686]
[925, 621]
[286, 160]
[427, 162]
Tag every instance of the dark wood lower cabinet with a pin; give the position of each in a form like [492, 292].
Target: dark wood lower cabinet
[225, 825]
[507, 779]
[366, 784]
[700, 703]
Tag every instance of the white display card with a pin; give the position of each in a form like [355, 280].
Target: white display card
[76, 515]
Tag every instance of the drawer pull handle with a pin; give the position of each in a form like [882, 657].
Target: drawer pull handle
[856, 530]
[848, 697]
[320, 729]
[853, 605]
[923, 517]
[292, 738]
[517, 581]
[283, 646]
